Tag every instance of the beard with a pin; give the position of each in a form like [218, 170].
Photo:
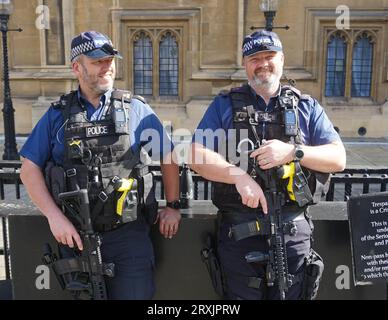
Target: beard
[272, 80]
[102, 88]
[94, 82]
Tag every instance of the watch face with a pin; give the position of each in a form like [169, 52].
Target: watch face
[174, 204]
[299, 154]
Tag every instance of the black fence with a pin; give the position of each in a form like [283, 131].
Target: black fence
[350, 182]
[343, 185]
[9, 174]
[354, 182]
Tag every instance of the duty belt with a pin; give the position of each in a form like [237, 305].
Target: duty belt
[258, 282]
[248, 225]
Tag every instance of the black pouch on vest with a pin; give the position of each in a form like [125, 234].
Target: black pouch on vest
[55, 181]
[312, 275]
[146, 189]
[150, 202]
[77, 176]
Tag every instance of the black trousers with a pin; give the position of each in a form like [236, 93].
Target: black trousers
[237, 271]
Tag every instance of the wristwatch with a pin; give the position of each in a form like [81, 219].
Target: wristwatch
[176, 204]
[298, 153]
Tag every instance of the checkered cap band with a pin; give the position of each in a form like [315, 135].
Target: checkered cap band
[82, 48]
[261, 40]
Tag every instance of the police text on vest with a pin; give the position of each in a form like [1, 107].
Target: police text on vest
[96, 131]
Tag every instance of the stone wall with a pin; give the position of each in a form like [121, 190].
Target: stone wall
[209, 35]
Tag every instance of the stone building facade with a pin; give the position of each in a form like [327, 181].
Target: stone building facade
[180, 53]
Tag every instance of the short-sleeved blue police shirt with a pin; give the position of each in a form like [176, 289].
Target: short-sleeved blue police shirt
[145, 130]
[315, 126]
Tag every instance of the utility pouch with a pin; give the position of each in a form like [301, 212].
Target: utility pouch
[77, 176]
[301, 188]
[146, 189]
[55, 179]
[312, 275]
[209, 257]
[150, 202]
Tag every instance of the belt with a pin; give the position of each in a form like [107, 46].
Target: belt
[248, 225]
[235, 217]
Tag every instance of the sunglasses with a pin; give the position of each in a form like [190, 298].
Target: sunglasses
[108, 48]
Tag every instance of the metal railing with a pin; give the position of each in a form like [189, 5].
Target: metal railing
[353, 182]
[202, 187]
[342, 185]
[9, 174]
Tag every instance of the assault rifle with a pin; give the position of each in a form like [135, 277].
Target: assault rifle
[276, 259]
[82, 274]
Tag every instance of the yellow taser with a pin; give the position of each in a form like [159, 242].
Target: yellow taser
[288, 171]
[125, 185]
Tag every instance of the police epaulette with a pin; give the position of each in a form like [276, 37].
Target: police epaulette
[239, 89]
[121, 95]
[140, 98]
[60, 104]
[300, 95]
[242, 89]
[245, 89]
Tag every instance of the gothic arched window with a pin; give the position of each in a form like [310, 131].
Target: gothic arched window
[336, 66]
[168, 65]
[362, 63]
[143, 65]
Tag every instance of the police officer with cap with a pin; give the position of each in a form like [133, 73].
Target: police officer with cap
[256, 112]
[96, 135]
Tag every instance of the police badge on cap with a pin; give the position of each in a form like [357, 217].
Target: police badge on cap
[93, 44]
[261, 41]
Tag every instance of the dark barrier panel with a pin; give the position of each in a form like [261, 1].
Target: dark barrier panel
[27, 234]
[180, 274]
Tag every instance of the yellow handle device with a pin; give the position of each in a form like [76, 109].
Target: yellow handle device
[75, 143]
[125, 187]
[288, 171]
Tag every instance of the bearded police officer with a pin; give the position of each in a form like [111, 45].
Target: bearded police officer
[275, 127]
[92, 139]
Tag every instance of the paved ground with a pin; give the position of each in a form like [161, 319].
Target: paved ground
[367, 154]
[360, 154]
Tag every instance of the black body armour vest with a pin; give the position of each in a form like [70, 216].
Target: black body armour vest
[95, 152]
[268, 126]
